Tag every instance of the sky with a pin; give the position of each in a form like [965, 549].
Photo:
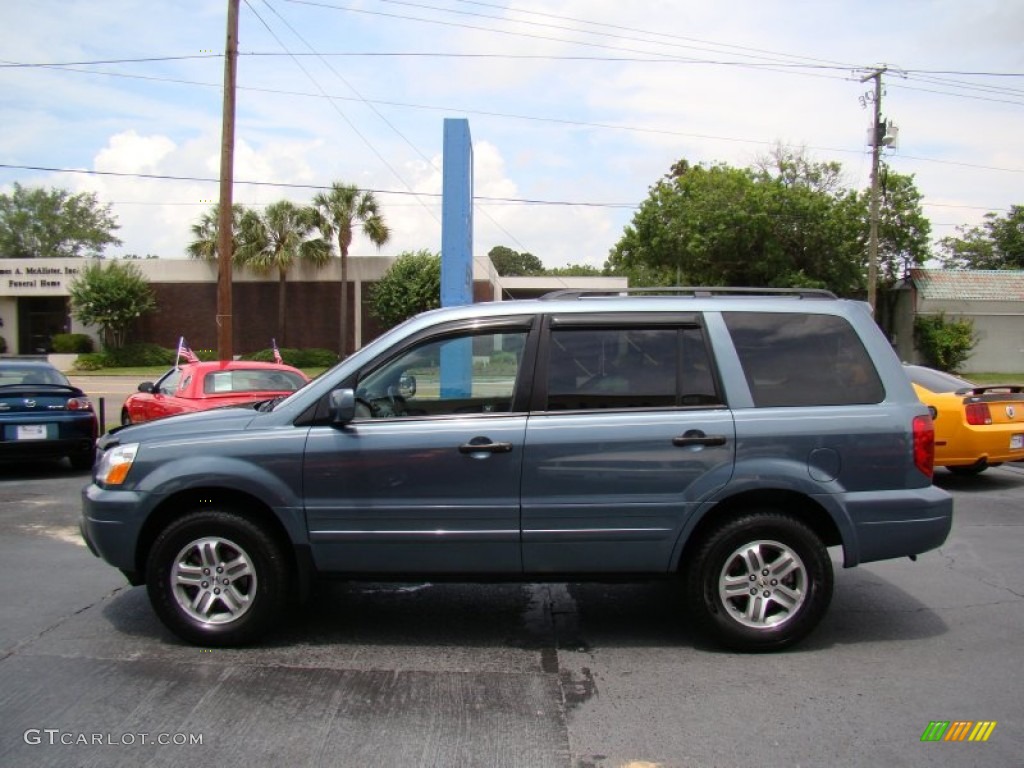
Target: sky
[575, 107]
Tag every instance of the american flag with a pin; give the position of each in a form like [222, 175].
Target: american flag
[277, 352]
[185, 352]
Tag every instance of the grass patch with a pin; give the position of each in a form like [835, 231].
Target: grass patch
[995, 378]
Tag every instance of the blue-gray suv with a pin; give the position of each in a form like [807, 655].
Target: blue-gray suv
[721, 436]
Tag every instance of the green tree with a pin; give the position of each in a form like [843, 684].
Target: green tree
[274, 240]
[574, 270]
[997, 244]
[787, 222]
[112, 298]
[510, 263]
[699, 225]
[204, 233]
[816, 234]
[904, 234]
[340, 211]
[53, 223]
[411, 285]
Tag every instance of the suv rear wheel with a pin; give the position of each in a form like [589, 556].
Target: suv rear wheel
[759, 582]
[216, 578]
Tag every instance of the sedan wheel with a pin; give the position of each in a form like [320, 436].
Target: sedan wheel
[971, 470]
[83, 460]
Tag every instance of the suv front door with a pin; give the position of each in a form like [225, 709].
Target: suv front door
[426, 478]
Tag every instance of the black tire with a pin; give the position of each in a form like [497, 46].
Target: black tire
[125, 418]
[970, 470]
[180, 573]
[785, 564]
[82, 461]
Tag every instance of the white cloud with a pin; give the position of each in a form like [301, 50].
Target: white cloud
[130, 153]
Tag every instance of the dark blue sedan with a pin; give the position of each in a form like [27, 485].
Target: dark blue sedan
[42, 416]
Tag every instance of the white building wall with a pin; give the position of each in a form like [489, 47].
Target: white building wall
[999, 326]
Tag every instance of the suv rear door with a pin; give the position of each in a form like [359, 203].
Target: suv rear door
[628, 432]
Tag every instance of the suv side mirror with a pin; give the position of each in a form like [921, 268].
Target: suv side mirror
[342, 406]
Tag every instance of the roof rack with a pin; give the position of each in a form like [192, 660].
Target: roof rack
[694, 291]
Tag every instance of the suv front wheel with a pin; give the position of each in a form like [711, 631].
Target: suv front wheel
[216, 578]
[759, 582]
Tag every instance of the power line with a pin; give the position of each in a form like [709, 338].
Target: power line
[676, 41]
[531, 118]
[147, 59]
[508, 32]
[655, 33]
[317, 187]
[341, 114]
[924, 76]
[771, 61]
[659, 59]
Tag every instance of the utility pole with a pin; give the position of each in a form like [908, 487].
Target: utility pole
[876, 148]
[225, 244]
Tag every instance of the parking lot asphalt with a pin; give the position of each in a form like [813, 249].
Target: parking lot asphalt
[572, 675]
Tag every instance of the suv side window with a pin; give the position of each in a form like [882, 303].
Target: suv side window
[469, 373]
[796, 359]
[628, 367]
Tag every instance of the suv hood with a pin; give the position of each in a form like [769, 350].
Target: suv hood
[217, 420]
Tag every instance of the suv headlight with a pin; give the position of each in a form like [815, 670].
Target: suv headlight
[114, 464]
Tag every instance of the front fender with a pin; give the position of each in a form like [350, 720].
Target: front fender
[242, 464]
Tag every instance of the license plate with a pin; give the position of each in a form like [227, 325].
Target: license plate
[31, 431]
[1016, 442]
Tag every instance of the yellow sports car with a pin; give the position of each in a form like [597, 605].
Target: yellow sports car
[976, 427]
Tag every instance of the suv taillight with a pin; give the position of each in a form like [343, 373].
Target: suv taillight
[924, 444]
[978, 414]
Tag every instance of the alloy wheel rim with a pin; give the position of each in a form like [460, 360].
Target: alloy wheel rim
[763, 584]
[213, 580]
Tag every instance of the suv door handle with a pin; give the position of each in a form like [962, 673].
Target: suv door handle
[696, 437]
[485, 447]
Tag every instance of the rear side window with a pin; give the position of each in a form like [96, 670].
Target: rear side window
[794, 359]
[606, 368]
[251, 380]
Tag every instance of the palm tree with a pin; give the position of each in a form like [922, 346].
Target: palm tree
[340, 211]
[204, 246]
[275, 240]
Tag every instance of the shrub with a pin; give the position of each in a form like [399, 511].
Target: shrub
[90, 361]
[72, 343]
[314, 358]
[137, 355]
[944, 344]
[112, 295]
[299, 358]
